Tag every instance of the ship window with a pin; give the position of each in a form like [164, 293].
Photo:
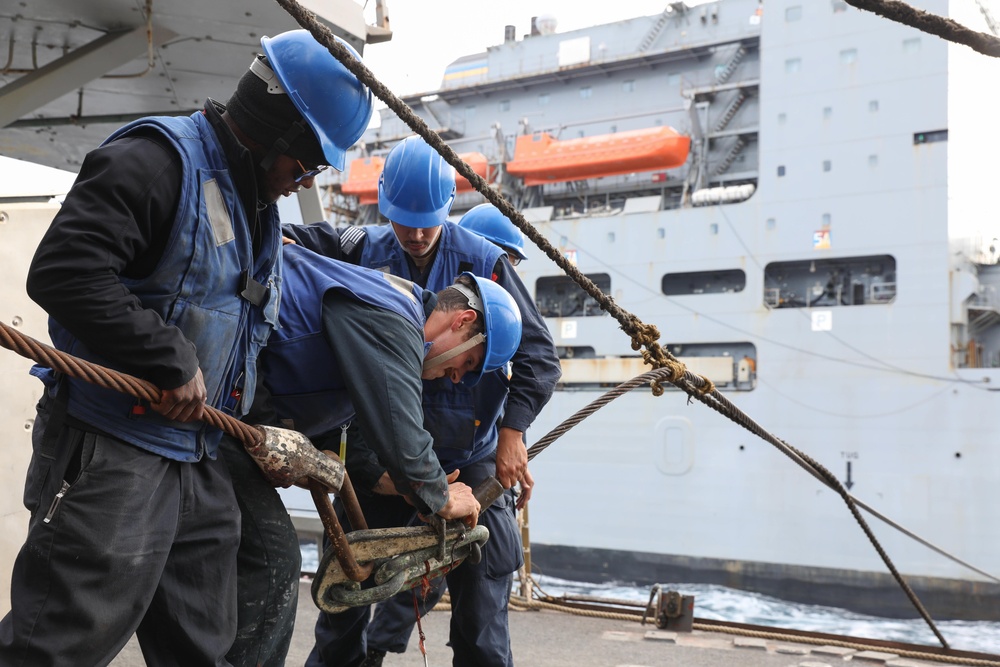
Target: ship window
[782, 117]
[873, 106]
[771, 223]
[628, 86]
[839, 6]
[674, 80]
[826, 219]
[827, 165]
[930, 137]
[724, 281]
[831, 282]
[504, 105]
[873, 160]
[470, 111]
[559, 296]
[781, 170]
[543, 99]
[793, 13]
[827, 112]
[793, 65]
[586, 92]
[911, 45]
[849, 56]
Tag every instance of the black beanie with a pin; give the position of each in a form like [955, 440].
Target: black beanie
[266, 117]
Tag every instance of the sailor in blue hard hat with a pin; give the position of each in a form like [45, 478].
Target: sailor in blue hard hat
[300, 108]
[478, 430]
[490, 223]
[164, 261]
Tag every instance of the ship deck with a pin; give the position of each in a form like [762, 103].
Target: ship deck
[546, 638]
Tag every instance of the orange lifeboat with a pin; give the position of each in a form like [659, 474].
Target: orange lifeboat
[362, 179]
[362, 176]
[540, 159]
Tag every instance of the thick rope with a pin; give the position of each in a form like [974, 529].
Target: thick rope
[932, 24]
[644, 336]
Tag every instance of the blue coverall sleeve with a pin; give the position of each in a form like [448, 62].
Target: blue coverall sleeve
[381, 357]
[536, 368]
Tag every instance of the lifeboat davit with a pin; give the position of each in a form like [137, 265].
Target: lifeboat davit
[362, 176]
[539, 158]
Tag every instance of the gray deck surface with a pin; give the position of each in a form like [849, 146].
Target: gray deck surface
[557, 639]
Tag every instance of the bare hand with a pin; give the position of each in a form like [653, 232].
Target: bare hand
[286, 241]
[185, 403]
[461, 505]
[512, 457]
[527, 483]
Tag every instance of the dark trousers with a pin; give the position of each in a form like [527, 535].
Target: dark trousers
[269, 566]
[479, 633]
[136, 543]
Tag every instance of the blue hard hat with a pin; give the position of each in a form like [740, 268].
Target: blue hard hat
[502, 320]
[416, 187]
[335, 104]
[487, 221]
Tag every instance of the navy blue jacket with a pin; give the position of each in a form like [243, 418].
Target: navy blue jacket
[351, 342]
[535, 365]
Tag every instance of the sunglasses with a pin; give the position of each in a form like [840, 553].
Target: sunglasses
[310, 173]
[513, 259]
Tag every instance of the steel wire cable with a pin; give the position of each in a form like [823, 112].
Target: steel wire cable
[60, 361]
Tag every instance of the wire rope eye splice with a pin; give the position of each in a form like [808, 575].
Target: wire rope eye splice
[395, 559]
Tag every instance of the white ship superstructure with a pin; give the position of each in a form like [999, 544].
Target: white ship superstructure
[823, 250]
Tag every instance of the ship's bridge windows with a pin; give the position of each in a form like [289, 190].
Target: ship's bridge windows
[848, 56]
[543, 99]
[586, 92]
[839, 6]
[723, 281]
[628, 86]
[560, 296]
[793, 65]
[504, 105]
[793, 13]
[911, 45]
[830, 282]
[729, 365]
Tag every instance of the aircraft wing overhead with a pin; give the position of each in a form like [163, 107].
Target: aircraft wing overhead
[77, 70]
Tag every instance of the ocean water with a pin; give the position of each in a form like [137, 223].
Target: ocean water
[726, 604]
